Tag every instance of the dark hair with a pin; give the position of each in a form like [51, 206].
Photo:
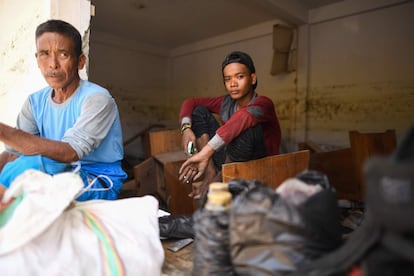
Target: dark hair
[63, 28]
[240, 57]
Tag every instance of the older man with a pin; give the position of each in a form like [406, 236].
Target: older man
[70, 124]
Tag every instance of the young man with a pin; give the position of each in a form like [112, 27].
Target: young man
[71, 120]
[247, 127]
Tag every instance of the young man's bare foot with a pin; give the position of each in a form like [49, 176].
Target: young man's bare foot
[200, 189]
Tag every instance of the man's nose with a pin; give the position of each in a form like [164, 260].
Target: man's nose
[53, 61]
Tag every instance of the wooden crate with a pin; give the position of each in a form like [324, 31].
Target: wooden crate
[339, 168]
[344, 166]
[367, 145]
[271, 170]
[158, 174]
[164, 141]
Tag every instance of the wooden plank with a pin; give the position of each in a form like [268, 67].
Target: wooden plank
[367, 145]
[178, 200]
[165, 141]
[310, 145]
[168, 157]
[129, 189]
[338, 167]
[344, 166]
[144, 175]
[160, 182]
[271, 170]
[158, 175]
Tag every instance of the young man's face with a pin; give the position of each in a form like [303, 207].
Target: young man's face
[58, 62]
[238, 81]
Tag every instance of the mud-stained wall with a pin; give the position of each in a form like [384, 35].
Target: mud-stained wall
[360, 74]
[334, 110]
[150, 84]
[354, 73]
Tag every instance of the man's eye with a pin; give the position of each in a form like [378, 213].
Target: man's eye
[64, 55]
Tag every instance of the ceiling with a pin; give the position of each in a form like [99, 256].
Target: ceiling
[172, 23]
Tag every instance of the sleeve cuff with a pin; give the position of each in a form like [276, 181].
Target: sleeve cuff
[216, 142]
[185, 120]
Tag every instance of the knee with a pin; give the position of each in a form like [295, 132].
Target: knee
[200, 111]
[249, 145]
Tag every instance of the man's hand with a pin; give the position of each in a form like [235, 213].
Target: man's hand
[188, 136]
[6, 157]
[5, 205]
[194, 167]
[29, 144]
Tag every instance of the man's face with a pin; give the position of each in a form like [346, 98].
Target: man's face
[57, 61]
[238, 81]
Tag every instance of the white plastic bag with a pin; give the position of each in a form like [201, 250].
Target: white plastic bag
[46, 235]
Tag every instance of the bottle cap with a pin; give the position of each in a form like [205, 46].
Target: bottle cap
[219, 198]
[218, 186]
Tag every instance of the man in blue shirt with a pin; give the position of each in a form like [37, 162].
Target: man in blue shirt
[72, 124]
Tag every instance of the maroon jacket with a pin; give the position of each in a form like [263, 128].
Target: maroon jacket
[260, 110]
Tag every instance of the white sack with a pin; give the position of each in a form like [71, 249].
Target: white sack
[48, 236]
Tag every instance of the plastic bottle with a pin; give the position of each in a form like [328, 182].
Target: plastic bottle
[211, 228]
[218, 186]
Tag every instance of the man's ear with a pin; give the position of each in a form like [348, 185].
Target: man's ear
[81, 61]
[37, 61]
[254, 78]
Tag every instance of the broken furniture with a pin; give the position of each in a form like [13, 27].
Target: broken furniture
[344, 166]
[158, 174]
[270, 170]
[130, 188]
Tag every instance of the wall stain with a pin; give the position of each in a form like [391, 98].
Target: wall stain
[326, 114]
[19, 66]
[332, 112]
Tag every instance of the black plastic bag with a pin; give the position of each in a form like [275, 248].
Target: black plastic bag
[176, 226]
[271, 236]
[384, 243]
[211, 244]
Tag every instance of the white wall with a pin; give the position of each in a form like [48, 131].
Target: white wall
[18, 68]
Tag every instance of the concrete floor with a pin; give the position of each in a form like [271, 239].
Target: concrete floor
[178, 263]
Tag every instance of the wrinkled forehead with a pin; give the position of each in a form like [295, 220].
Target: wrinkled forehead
[55, 40]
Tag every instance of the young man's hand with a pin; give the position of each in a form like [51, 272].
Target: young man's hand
[194, 167]
[188, 136]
